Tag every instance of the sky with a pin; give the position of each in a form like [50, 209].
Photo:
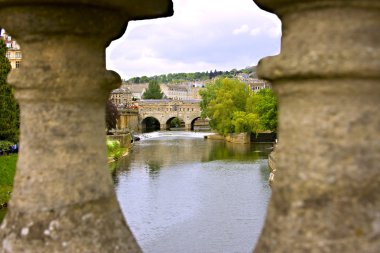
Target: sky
[202, 35]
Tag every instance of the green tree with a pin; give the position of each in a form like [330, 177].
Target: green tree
[209, 94]
[9, 111]
[245, 122]
[153, 91]
[264, 104]
[144, 79]
[230, 97]
[233, 108]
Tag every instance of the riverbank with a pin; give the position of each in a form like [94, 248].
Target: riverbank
[245, 138]
[272, 165]
[118, 146]
[242, 138]
[7, 172]
[122, 152]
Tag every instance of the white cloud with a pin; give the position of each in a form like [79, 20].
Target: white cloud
[197, 38]
[242, 29]
[255, 31]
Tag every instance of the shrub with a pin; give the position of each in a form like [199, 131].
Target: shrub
[114, 149]
[5, 145]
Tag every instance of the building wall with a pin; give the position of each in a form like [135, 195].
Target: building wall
[13, 54]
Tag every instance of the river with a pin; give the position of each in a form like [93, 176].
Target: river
[182, 193]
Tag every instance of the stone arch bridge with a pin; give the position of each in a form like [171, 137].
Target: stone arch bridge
[160, 112]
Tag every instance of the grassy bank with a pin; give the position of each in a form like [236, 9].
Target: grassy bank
[114, 150]
[7, 172]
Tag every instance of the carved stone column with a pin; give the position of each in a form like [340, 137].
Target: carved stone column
[63, 198]
[327, 78]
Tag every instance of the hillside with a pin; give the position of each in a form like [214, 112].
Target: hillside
[192, 77]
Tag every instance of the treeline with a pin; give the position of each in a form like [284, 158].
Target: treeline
[192, 77]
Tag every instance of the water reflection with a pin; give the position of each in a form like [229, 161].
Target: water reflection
[220, 150]
[156, 153]
[153, 168]
[181, 194]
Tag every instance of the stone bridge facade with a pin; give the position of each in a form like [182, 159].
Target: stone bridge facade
[327, 79]
[164, 111]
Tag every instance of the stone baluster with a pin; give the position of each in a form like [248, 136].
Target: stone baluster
[327, 78]
[63, 198]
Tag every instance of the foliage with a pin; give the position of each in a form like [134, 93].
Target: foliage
[230, 97]
[5, 144]
[265, 106]
[245, 122]
[209, 94]
[233, 108]
[176, 122]
[114, 149]
[111, 115]
[191, 77]
[153, 91]
[9, 110]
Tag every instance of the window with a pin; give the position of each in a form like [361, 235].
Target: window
[18, 63]
[8, 55]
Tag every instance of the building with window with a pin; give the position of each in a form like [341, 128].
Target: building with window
[121, 97]
[176, 91]
[14, 54]
[257, 84]
[137, 90]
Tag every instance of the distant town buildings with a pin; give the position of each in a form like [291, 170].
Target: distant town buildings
[127, 95]
[14, 54]
[258, 84]
[254, 83]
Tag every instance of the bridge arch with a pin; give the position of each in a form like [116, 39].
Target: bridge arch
[199, 124]
[175, 122]
[150, 124]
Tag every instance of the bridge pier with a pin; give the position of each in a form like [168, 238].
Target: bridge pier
[327, 79]
[63, 198]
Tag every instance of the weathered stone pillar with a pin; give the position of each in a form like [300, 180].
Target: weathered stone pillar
[327, 78]
[63, 198]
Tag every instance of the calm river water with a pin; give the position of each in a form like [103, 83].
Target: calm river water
[182, 193]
